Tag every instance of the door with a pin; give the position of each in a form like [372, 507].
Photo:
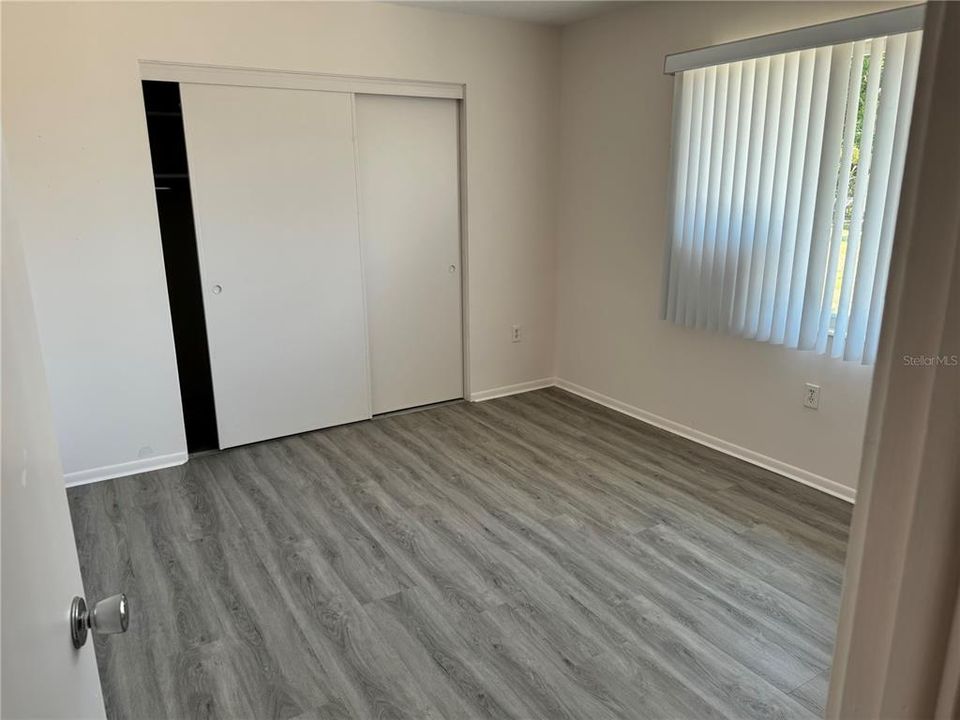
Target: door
[42, 675]
[410, 225]
[273, 176]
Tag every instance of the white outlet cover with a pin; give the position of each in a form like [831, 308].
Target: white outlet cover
[811, 396]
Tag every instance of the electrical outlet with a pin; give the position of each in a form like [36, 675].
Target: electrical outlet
[515, 337]
[811, 396]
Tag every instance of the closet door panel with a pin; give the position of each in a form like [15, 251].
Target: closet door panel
[410, 227]
[273, 174]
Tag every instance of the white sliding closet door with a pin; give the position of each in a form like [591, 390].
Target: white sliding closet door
[273, 174]
[410, 226]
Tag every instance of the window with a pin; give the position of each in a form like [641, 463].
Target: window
[786, 182]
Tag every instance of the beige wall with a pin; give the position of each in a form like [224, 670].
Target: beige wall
[615, 136]
[74, 128]
[566, 210]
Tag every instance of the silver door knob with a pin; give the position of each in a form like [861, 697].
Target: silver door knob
[109, 617]
[452, 268]
[217, 289]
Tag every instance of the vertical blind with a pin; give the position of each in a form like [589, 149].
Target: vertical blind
[786, 182]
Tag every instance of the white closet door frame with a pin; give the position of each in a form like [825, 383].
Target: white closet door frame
[296, 80]
[353, 84]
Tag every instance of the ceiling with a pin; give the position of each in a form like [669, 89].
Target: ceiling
[550, 12]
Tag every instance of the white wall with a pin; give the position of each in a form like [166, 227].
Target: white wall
[615, 135]
[76, 136]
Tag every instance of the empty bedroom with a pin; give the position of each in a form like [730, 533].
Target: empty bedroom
[480, 360]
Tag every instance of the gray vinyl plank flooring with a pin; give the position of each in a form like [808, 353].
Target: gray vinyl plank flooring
[813, 694]
[535, 556]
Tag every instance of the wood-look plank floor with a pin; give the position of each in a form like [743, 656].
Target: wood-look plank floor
[536, 556]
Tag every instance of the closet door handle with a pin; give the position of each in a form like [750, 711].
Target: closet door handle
[452, 268]
[217, 289]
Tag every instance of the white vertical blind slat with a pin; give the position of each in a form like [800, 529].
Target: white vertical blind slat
[788, 110]
[843, 70]
[696, 255]
[690, 197]
[908, 84]
[751, 193]
[731, 122]
[876, 197]
[859, 196]
[825, 301]
[765, 196]
[737, 194]
[795, 192]
[682, 95]
[819, 119]
[713, 197]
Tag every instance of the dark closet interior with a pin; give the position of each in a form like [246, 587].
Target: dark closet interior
[168, 153]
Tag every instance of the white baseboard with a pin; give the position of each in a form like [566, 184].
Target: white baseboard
[512, 389]
[134, 467]
[806, 477]
[800, 475]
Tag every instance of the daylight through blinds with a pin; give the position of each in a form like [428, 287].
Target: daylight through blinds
[786, 181]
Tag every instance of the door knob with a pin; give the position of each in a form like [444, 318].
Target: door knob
[109, 616]
[217, 289]
[452, 268]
